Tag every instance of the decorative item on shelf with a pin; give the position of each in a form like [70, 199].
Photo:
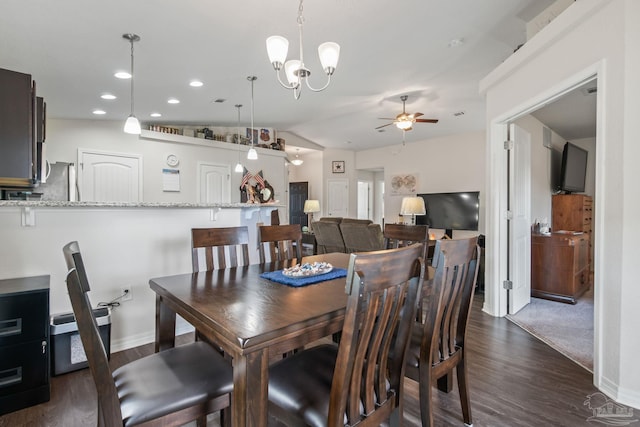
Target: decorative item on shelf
[310, 207]
[252, 154]
[295, 70]
[238, 167]
[132, 125]
[297, 161]
[413, 206]
[337, 166]
[255, 189]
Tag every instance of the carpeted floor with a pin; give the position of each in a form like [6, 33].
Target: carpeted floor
[565, 327]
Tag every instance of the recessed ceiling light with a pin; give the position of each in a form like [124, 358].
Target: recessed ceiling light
[156, 115]
[196, 83]
[99, 112]
[173, 101]
[107, 96]
[455, 42]
[122, 75]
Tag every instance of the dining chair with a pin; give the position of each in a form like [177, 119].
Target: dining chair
[168, 388]
[359, 380]
[278, 241]
[220, 244]
[399, 235]
[437, 344]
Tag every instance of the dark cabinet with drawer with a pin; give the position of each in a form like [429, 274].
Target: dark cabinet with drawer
[24, 342]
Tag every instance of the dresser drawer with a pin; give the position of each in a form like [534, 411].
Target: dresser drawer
[24, 317]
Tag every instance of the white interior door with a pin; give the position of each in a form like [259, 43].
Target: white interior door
[109, 177]
[364, 200]
[338, 197]
[214, 183]
[520, 224]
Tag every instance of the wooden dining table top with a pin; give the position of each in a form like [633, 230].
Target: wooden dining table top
[248, 311]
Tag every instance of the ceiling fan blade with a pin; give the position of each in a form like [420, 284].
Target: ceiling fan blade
[426, 120]
[380, 127]
[386, 118]
[417, 115]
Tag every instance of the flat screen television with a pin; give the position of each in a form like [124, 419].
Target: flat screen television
[573, 171]
[451, 211]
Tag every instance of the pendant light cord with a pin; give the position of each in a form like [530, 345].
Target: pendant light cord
[132, 40]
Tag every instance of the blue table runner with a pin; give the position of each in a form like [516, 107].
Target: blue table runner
[277, 276]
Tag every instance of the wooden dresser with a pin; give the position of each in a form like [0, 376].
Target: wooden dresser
[559, 266]
[573, 212]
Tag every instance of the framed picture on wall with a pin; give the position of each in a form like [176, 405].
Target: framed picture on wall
[337, 166]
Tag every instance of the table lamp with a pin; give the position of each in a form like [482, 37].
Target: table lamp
[310, 207]
[413, 206]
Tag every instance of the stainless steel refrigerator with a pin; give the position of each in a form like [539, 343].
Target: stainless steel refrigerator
[61, 183]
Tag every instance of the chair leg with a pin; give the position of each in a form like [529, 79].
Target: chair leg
[463, 388]
[201, 421]
[425, 390]
[445, 382]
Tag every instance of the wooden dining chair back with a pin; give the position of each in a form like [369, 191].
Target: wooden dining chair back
[359, 380]
[438, 344]
[400, 235]
[280, 242]
[223, 247]
[169, 388]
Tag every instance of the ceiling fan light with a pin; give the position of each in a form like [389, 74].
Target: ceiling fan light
[290, 68]
[329, 54]
[277, 48]
[252, 154]
[132, 125]
[404, 124]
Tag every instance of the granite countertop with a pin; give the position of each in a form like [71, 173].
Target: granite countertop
[67, 204]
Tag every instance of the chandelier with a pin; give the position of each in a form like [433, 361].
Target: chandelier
[295, 70]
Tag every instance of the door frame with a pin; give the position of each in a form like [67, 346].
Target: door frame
[495, 302]
[227, 168]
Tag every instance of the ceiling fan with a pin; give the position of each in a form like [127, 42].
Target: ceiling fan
[405, 121]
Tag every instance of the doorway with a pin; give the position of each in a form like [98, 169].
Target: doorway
[512, 257]
[298, 193]
[109, 177]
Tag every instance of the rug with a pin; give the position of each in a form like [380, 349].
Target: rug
[565, 327]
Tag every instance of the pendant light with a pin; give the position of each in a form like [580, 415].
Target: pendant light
[132, 125]
[252, 154]
[239, 167]
[297, 161]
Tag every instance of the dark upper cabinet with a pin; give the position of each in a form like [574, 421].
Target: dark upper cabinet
[18, 129]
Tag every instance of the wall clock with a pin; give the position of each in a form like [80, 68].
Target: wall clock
[172, 160]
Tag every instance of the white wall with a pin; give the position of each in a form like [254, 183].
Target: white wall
[444, 164]
[120, 247]
[64, 137]
[601, 38]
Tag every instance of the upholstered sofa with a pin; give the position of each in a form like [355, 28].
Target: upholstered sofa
[335, 234]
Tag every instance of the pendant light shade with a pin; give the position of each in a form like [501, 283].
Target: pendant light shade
[132, 125]
[252, 154]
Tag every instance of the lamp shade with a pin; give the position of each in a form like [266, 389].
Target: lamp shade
[132, 125]
[277, 48]
[311, 206]
[413, 206]
[329, 54]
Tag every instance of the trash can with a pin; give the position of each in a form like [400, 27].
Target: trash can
[67, 352]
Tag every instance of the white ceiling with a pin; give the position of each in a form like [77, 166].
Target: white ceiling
[388, 48]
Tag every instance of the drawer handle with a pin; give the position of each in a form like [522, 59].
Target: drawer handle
[11, 376]
[10, 327]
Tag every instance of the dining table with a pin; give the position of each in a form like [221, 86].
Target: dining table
[253, 319]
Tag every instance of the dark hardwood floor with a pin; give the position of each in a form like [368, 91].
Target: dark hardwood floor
[515, 380]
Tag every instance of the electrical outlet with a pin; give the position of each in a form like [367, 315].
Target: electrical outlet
[125, 291]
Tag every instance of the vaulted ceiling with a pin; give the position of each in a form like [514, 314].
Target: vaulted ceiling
[435, 52]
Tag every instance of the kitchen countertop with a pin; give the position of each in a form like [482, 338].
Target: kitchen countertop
[67, 204]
